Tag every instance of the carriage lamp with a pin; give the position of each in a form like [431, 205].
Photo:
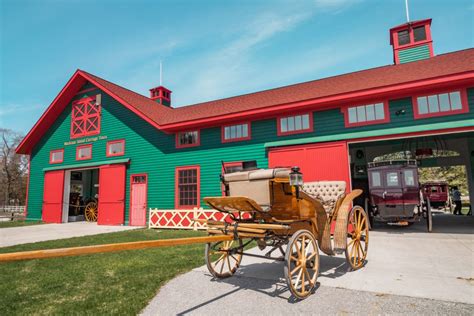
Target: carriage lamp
[296, 177]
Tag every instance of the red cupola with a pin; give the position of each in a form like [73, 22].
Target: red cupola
[411, 41]
[161, 95]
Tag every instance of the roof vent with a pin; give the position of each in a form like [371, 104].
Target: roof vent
[411, 41]
[161, 95]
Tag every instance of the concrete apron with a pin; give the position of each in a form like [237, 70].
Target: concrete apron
[433, 266]
[404, 261]
[35, 233]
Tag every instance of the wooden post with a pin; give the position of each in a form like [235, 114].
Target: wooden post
[74, 251]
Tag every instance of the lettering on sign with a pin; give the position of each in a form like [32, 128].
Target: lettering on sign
[84, 140]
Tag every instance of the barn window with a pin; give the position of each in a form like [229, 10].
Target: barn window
[451, 102]
[403, 37]
[236, 132]
[84, 152]
[367, 114]
[295, 124]
[419, 33]
[56, 156]
[187, 139]
[115, 148]
[187, 187]
[85, 117]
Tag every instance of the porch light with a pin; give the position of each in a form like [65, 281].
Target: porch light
[296, 177]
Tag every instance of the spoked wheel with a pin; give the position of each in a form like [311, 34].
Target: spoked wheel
[301, 263]
[223, 258]
[357, 238]
[429, 216]
[91, 211]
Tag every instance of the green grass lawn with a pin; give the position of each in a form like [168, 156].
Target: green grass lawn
[7, 224]
[109, 283]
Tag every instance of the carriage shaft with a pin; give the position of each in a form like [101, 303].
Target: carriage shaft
[75, 251]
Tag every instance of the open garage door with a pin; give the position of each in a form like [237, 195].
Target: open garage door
[53, 196]
[318, 162]
[111, 195]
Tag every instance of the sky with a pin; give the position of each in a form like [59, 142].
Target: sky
[209, 49]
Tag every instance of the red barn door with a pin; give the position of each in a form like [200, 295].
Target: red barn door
[318, 162]
[138, 200]
[111, 195]
[53, 193]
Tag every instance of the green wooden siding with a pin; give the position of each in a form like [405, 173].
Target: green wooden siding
[414, 54]
[153, 152]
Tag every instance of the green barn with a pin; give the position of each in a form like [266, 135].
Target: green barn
[102, 147]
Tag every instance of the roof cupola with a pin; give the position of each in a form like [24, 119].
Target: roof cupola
[161, 95]
[411, 41]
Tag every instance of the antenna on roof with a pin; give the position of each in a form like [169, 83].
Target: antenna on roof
[406, 9]
[161, 73]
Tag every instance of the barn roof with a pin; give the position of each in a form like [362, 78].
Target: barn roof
[319, 92]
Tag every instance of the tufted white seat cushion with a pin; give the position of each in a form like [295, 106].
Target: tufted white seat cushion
[328, 192]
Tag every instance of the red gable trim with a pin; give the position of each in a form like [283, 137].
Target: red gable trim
[59, 104]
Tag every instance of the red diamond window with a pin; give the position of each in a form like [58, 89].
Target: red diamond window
[85, 119]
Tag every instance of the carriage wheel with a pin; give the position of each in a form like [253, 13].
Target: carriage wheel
[301, 263]
[429, 217]
[223, 258]
[357, 238]
[90, 211]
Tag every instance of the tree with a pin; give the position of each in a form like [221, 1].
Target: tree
[13, 170]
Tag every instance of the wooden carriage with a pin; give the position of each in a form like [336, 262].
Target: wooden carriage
[286, 215]
[274, 208]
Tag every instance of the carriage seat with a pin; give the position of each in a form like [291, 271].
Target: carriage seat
[254, 184]
[327, 192]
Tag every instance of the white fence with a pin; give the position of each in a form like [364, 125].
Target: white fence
[12, 209]
[184, 219]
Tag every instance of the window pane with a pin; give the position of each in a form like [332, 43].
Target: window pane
[85, 152]
[376, 179]
[245, 130]
[379, 111]
[352, 115]
[403, 37]
[291, 124]
[422, 105]
[227, 132]
[444, 102]
[392, 179]
[239, 131]
[455, 98]
[187, 187]
[433, 103]
[370, 112]
[409, 177]
[57, 156]
[361, 114]
[306, 121]
[116, 148]
[284, 125]
[298, 123]
[233, 131]
[419, 33]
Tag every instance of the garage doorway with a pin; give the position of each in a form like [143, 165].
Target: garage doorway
[81, 192]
